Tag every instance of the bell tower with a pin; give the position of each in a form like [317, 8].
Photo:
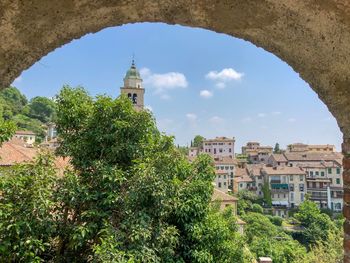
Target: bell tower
[133, 87]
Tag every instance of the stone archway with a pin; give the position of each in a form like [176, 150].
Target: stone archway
[312, 36]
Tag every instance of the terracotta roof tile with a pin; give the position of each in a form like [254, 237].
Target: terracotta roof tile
[283, 170]
[221, 196]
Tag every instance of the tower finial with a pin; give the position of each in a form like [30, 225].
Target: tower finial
[133, 59]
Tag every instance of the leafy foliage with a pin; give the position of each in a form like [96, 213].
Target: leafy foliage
[267, 239]
[26, 224]
[130, 196]
[317, 225]
[7, 129]
[197, 141]
[41, 108]
[12, 102]
[31, 116]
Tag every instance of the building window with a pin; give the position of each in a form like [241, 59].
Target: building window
[292, 196]
[329, 170]
[240, 185]
[311, 173]
[229, 149]
[322, 173]
[291, 187]
[291, 177]
[302, 197]
[224, 176]
[219, 184]
[301, 187]
[219, 176]
[338, 170]
[338, 180]
[134, 98]
[316, 173]
[224, 183]
[220, 150]
[301, 178]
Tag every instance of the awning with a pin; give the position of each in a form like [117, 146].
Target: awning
[280, 203]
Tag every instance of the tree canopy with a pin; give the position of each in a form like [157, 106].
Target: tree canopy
[197, 141]
[33, 116]
[130, 196]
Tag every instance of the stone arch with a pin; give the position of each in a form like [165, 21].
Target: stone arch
[312, 36]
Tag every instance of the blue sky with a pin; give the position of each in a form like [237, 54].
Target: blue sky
[197, 82]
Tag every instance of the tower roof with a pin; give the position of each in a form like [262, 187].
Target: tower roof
[132, 73]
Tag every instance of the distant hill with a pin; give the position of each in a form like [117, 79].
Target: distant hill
[31, 115]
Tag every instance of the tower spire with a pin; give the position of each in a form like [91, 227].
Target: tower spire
[133, 60]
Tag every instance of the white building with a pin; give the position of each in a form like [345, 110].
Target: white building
[225, 168]
[219, 147]
[287, 186]
[257, 153]
[27, 136]
[51, 132]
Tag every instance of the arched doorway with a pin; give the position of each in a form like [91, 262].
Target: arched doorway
[311, 36]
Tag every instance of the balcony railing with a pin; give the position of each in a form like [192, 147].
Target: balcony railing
[279, 186]
[318, 196]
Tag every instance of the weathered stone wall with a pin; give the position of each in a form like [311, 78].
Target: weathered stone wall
[312, 36]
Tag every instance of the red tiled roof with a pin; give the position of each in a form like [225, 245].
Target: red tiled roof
[24, 133]
[221, 196]
[14, 151]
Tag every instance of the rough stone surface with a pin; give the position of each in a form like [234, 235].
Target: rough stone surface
[312, 36]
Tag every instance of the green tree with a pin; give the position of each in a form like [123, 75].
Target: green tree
[12, 101]
[132, 194]
[317, 225]
[41, 108]
[27, 224]
[7, 130]
[277, 149]
[267, 239]
[267, 194]
[197, 141]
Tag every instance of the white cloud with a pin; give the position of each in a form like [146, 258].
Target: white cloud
[247, 119]
[227, 74]
[165, 97]
[206, 94]
[276, 113]
[292, 120]
[164, 82]
[145, 72]
[165, 124]
[216, 120]
[220, 85]
[191, 117]
[261, 115]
